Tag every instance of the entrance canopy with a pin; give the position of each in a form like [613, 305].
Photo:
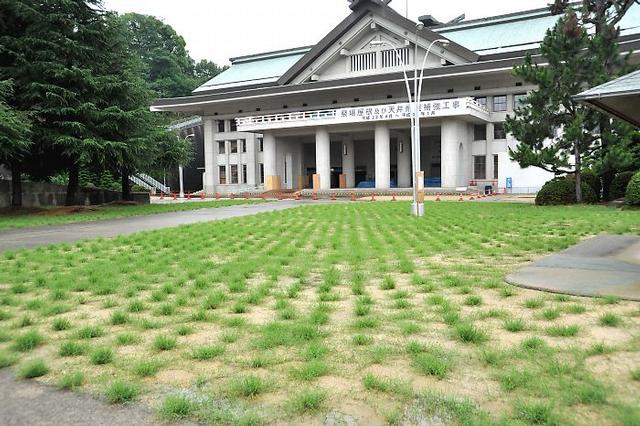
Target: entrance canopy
[620, 98]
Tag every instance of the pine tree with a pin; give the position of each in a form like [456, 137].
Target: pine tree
[614, 150]
[15, 130]
[556, 132]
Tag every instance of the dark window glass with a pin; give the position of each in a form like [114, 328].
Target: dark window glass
[479, 167]
[498, 131]
[482, 101]
[519, 100]
[500, 103]
[244, 173]
[233, 147]
[234, 173]
[233, 127]
[480, 132]
[220, 126]
[260, 145]
[261, 173]
[222, 176]
[243, 145]
[495, 167]
[222, 149]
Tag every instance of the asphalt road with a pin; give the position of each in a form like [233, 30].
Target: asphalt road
[25, 402]
[45, 235]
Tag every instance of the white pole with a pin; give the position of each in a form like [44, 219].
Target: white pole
[180, 172]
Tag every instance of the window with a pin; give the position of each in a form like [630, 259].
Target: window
[482, 101]
[495, 167]
[498, 131]
[363, 61]
[244, 173]
[479, 167]
[500, 103]
[243, 145]
[480, 132]
[234, 173]
[233, 147]
[390, 58]
[260, 145]
[222, 175]
[220, 126]
[261, 172]
[222, 148]
[233, 127]
[519, 100]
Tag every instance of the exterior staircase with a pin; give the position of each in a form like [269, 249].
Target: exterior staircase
[149, 183]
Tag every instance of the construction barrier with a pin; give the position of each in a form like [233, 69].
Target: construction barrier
[232, 196]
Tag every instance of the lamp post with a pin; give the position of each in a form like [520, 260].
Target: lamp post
[417, 207]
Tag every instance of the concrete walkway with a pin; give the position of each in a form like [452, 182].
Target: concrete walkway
[25, 402]
[45, 235]
[600, 266]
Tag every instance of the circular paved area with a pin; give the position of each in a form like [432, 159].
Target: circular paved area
[601, 266]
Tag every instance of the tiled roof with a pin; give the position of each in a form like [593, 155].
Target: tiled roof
[517, 31]
[628, 84]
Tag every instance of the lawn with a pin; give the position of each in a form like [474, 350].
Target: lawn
[330, 313]
[10, 220]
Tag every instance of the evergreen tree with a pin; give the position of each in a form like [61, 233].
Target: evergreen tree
[556, 132]
[15, 140]
[614, 150]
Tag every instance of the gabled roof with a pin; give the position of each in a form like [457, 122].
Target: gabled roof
[517, 31]
[362, 8]
[619, 97]
[255, 69]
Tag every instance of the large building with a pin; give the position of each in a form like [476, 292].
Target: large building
[336, 115]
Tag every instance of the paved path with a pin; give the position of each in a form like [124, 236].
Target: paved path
[44, 235]
[25, 402]
[603, 265]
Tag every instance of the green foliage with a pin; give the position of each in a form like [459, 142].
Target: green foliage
[15, 127]
[592, 180]
[119, 392]
[176, 407]
[619, 184]
[632, 195]
[33, 368]
[71, 380]
[561, 190]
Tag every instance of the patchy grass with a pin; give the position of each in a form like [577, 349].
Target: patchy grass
[300, 313]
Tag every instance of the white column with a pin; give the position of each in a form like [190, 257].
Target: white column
[323, 157]
[349, 161]
[404, 161]
[210, 156]
[251, 159]
[383, 156]
[452, 135]
[270, 165]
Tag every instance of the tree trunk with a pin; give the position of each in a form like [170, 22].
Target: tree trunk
[73, 185]
[126, 185]
[16, 184]
[576, 149]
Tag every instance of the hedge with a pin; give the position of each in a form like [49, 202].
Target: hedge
[632, 196]
[619, 184]
[562, 190]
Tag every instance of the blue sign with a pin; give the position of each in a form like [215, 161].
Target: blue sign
[509, 183]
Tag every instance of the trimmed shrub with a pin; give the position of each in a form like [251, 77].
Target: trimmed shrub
[619, 185]
[562, 190]
[632, 196]
[594, 182]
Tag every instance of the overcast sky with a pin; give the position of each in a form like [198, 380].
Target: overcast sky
[221, 29]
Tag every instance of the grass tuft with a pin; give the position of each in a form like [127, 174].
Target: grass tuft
[33, 368]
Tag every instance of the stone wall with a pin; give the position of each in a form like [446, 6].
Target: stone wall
[42, 194]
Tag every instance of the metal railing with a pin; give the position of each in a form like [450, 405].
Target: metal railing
[290, 116]
[149, 183]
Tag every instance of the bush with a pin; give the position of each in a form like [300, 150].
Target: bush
[619, 185]
[562, 190]
[593, 181]
[632, 196]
